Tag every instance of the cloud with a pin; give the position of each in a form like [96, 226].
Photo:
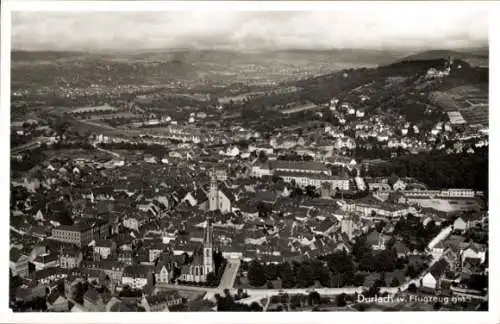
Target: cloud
[459, 27]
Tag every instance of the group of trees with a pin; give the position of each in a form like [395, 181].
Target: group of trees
[309, 191]
[295, 157]
[30, 159]
[338, 269]
[440, 170]
[415, 235]
[283, 302]
[227, 303]
[335, 270]
[156, 150]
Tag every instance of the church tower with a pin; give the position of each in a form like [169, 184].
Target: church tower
[208, 260]
[213, 194]
[347, 226]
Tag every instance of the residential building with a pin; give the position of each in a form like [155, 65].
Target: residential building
[70, 259]
[46, 260]
[137, 276]
[161, 302]
[315, 180]
[436, 273]
[104, 249]
[19, 263]
[81, 234]
[460, 225]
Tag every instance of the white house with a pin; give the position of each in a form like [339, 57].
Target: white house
[460, 225]
[433, 278]
[399, 185]
[261, 170]
[137, 276]
[104, 248]
[438, 250]
[474, 251]
[46, 260]
[164, 271]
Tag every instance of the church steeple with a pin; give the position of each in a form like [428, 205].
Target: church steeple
[208, 261]
[208, 235]
[213, 194]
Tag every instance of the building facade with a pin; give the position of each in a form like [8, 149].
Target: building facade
[83, 233]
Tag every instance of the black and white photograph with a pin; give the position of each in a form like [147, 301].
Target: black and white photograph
[240, 159]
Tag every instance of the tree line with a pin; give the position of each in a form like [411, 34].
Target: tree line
[437, 169]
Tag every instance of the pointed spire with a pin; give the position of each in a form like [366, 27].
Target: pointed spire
[208, 236]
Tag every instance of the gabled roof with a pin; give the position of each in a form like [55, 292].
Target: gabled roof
[54, 296]
[200, 196]
[269, 196]
[439, 268]
[110, 264]
[476, 247]
[227, 192]
[324, 225]
[163, 297]
[46, 258]
[373, 238]
[298, 165]
[137, 271]
[92, 295]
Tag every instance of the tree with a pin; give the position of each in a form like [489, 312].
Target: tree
[285, 298]
[255, 307]
[386, 260]
[311, 191]
[341, 300]
[314, 298]
[411, 271]
[211, 278]
[305, 276]
[218, 261]
[321, 273]
[395, 282]
[359, 280]
[14, 283]
[412, 288]
[39, 304]
[340, 262]
[228, 299]
[286, 275]
[79, 291]
[262, 156]
[256, 274]
[271, 271]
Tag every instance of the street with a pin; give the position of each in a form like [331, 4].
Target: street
[229, 275]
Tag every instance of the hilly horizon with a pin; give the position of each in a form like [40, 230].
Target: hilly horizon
[370, 57]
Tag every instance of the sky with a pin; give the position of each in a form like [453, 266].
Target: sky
[459, 27]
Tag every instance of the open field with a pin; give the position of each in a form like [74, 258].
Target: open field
[115, 115]
[74, 154]
[468, 101]
[94, 109]
[299, 108]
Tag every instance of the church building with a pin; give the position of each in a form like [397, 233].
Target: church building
[219, 196]
[203, 262]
